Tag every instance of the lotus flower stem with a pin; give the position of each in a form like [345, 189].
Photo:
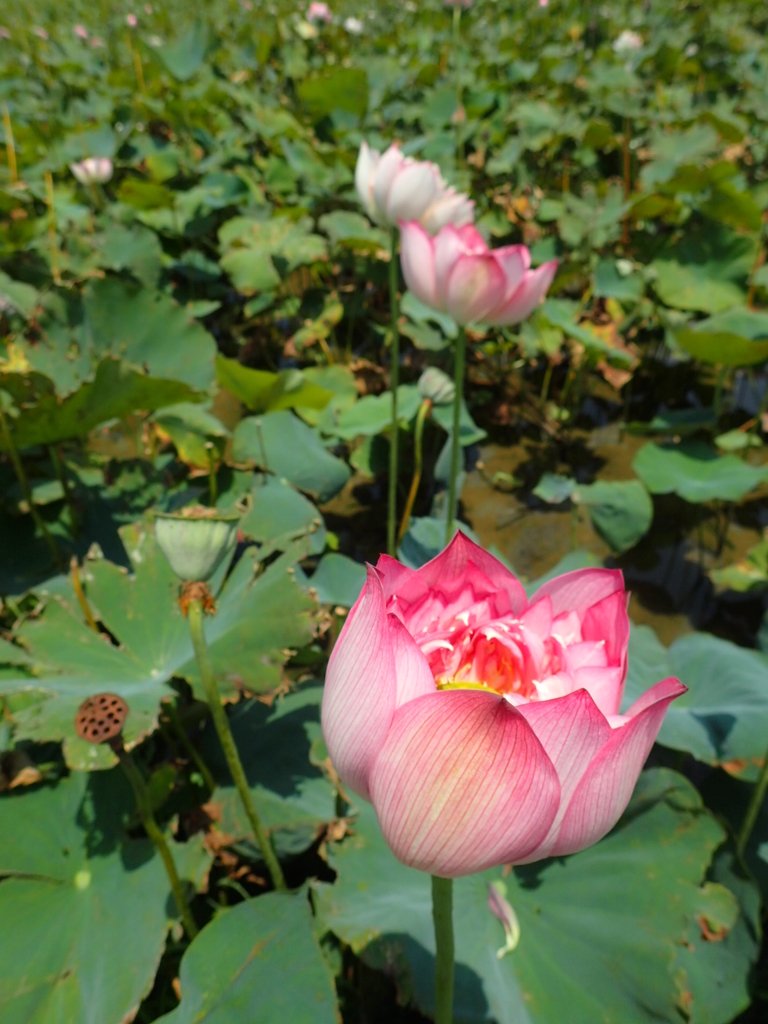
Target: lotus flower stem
[755, 805]
[457, 57]
[459, 359]
[26, 490]
[418, 465]
[138, 67]
[442, 917]
[194, 754]
[82, 600]
[10, 146]
[195, 614]
[394, 382]
[155, 833]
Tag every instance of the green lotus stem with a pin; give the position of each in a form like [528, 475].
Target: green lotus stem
[394, 383]
[418, 465]
[755, 805]
[213, 485]
[192, 752]
[26, 490]
[53, 244]
[717, 401]
[457, 55]
[82, 599]
[458, 377]
[155, 833]
[59, 470]
[221, 723]
[10, 146]
[442, 917]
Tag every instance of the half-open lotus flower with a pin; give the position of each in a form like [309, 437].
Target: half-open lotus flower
[94, 170]
[455, 272]
[393, 187]
[485, 727]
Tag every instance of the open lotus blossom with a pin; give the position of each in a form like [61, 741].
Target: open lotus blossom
[394, 187]
[317, 12]
[627, 40]
[94, 170]
[455, 272]
[485, 728]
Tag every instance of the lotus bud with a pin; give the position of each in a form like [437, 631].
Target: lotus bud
[94, 170]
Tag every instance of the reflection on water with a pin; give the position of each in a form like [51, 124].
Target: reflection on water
[666, 571]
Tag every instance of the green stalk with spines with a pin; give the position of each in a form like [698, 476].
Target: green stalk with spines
[195, 614]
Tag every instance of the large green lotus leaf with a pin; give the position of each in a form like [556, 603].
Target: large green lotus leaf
[279, 514]
[621, 510]
[134, 248]
[338, 579]
[258, 618]
[372, 414]
[612, 934]
[562, 313]
[258, 963]
[281, 444]
[277, 745]
[344, 227]
[694, 286]
[197, 434]
[255, 252]
[115, 391]
[723, 718]
[21, 297]
[85, 909]
[696, 472]
[340, 89]
[737, 337]
[263, 390]
[126, 320]
[186, 55]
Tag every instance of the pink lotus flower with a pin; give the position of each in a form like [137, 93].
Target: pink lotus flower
[457, 273]
[94, 170]
[393, 187]
[318, 11]
[484, 728]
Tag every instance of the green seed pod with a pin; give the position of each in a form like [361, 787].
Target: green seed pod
[436, 386]
[196, 541]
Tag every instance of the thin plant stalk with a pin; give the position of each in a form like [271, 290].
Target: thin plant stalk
[626, 160]
[457, 57]
[442, 918]
[192, 752]
[53, 242]
[394, 383]
[138, 67]
[754, 808]
[418, 466]
[26, 490]
[459, 358]
[155, 833]
[213, 483]
[10, 146]
[221, 723]
[61, 475]
[82, 600]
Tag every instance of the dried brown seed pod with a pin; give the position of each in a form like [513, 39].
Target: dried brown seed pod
[100, 718]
